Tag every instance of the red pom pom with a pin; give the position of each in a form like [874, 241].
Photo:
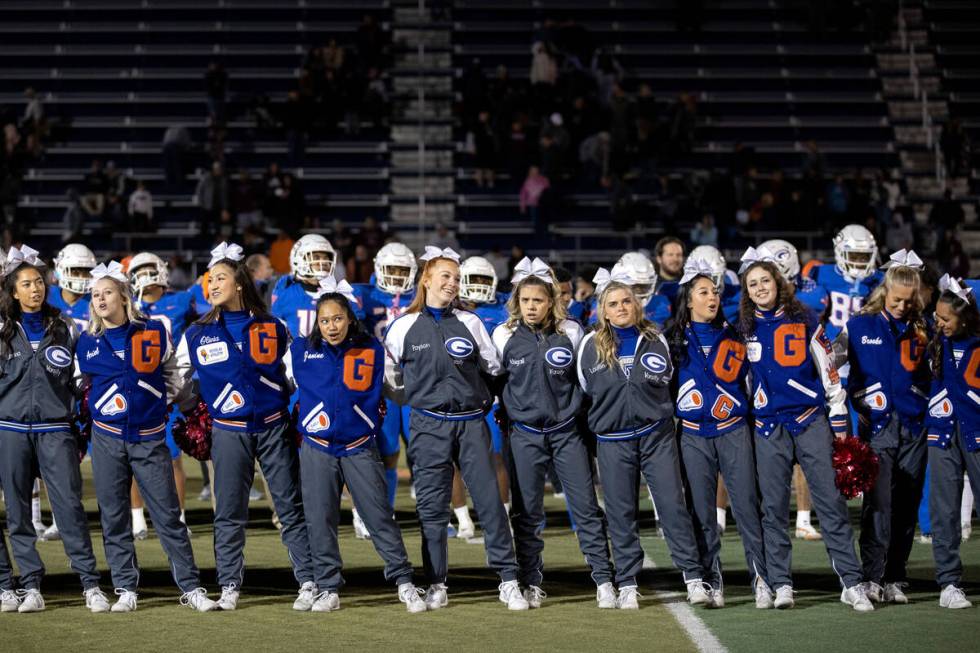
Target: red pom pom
[855, 466]
[192, 433]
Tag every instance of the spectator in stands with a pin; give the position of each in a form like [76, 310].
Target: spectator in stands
[254, 241]
[705, 232]
[946, 216]
[371, 236]
[341, 238]
[94, 188]
[499, 262]
[245, 202]
[584, 288]
[474, 90]
[179, 278]
[262, 271]
[544, 70]
[899, 234]
[372, 42]
[955, 146]
[279, 252]
[360, 267]
[271, 181]
[607, 73]
[885, 195]
[73, 217]
[211, 195]
[116, 192]
[535, 185]
[288, 205]
[518, 150]
[683, 124]
[176, 143]
[814, 164]
[594, 156]
[485, 145]
[516, 255]
[140, 207]
[669, 258]
[216, 87]
[34, 122]
[443, 238]
[375, 103]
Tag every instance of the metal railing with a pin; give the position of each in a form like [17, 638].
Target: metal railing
[920, 93]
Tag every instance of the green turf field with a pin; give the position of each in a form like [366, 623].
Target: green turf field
[371, 617]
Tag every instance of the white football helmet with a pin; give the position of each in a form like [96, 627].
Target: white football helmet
[478, 280]
[787, 258]
[642, 271]
[312, 257]
[73, 268]
[395, 268]
[856, 252]
[714, 259]
[147, 269]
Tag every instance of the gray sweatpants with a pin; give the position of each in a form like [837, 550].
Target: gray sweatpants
[323, 476]
[234, 454]
[891, 509]
[946, 467]
[774, 458]
[531, 455]
[434, 446]
[55, 456]
[621, 463]
[114, 464]
[730, 454]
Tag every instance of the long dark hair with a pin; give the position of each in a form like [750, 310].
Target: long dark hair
[968, 315]
[355, 330]
[676, 332]
[10, 311]
[785, 297]
[251, 299]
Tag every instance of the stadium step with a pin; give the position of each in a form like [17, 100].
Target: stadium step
[441, 160]
[914, 136]
[401, 134]
[890, 62]
[433, 37]
[414, 213]
[912, 111]
[903, 87]
[414, 185]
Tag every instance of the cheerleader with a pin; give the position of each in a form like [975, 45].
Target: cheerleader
[793, 375]
[236, 348]
[338, 372]
[129, 365]
[885, 344]
[712, 406]
[542, 399]
[437, 358]
[624, 367]
[36, 403]
[953, 428]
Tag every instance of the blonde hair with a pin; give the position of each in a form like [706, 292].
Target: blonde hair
[556, 315]
[96, 325]
[605, 339]
[899, 275]
[418, 303]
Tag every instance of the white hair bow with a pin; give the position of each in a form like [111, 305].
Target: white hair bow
[697, 266]
[756, 255]
[23, 255]
[432, 252]
[528, 268]
[224, 251]
[952, 285]
[603, 278]
[904, 258]
[329, 285]
[114, 271]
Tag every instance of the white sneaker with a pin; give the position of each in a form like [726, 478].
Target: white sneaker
[784, 598]
[126, 602]
[411, 492]
[141, 534]
[534, 595]
[436, 596]
[39, 528]
[411, 596]
[466, 532]
[873, 591]
[229, 598]
[9, 602]
[95, 600]
[894, 593]
[698, 592]
[360, 530]
[763, 595]
[205, 494]
[925, 538]
[326, 602]
[966, 530]
[510, 593]
[629, 597]
[197, 600]
[254, 495]
[30, 601]
[605, 596]
[952, 597]
[809, 533]
[857, 598]
[717, 598]
[307, 595]
[50, 534]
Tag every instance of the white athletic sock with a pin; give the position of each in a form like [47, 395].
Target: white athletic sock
[139, 521]
[35, 509]
[183, 519]
[463, 517]
[966, 505]
[802, 518]
[721, 516]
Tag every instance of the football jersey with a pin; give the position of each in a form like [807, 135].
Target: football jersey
[845, 298]
[493, 314]
[812, 295]
[296, 306]
[175, 309]
[77, 311]
[381, 307]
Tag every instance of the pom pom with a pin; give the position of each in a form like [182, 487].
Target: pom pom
[82, 426]
[855, 466]
[192, 433]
